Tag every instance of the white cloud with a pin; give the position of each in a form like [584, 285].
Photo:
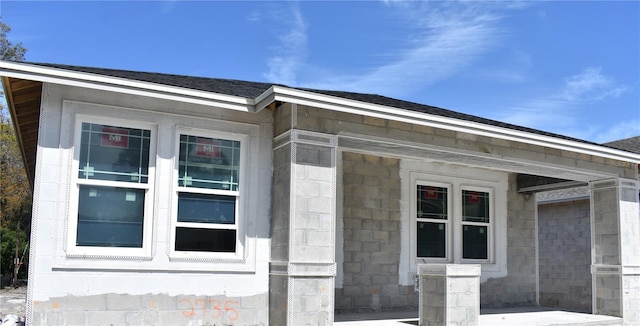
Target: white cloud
[591, 85]
[443, 39]
[291, 52]
[622, 130]
[559, 112]
[446, 38]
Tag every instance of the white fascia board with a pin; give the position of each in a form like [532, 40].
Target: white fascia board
[121, 85]
[263, 100]
[385, 112]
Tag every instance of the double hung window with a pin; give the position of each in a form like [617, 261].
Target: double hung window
[453, 222]
[114, 189]
[432, 221]
[476, 220]
[208, 193]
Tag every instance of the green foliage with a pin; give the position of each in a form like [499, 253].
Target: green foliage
[10, 51]
[15, 190]
[8, 250]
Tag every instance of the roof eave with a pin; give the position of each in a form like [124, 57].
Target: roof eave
[16, 128]
[302, 97]
[122, 85]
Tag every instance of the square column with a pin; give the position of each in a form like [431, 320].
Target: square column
[449, 294]
[615, 247]
[303, 268]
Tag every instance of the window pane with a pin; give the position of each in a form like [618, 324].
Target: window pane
[431, 239]
[209, 163]
[110, 217]
[475, 206]
[114, 153]
[432, 202]
[474, 242]
[201, 208]
[211, 240]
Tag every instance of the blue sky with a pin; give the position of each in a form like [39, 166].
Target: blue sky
[568, 67]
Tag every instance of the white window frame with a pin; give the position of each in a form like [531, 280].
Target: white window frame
[412, 171]
[148, 219]
[490, 225]
[454, 239]
[240, 195]
[449, 223]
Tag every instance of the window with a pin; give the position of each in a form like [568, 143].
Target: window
[450, 219]
[432, 221]
[208, 193]
[113, 189]
[475, 224]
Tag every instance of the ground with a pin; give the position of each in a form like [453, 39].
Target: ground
[13, 301]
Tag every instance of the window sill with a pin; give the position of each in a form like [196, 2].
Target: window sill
[114, 263]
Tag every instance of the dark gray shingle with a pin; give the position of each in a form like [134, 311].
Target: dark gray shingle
[251, 90]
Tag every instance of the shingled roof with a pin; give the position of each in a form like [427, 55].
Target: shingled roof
[249, 89]
[631, 144]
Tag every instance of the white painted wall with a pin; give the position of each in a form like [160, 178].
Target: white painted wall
[53, 273]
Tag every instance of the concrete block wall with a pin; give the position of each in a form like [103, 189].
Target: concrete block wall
[152, 309]
[371, 209]
[564, 249]
[616, 253]
[302, 269]
[519, 287]
[332, 122]
[280, 205]
[433, 305]
[449, 294]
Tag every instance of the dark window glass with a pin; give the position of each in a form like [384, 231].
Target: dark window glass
[432, 202]
[431, 240]
[209, 240]
[475, 206]
[474, 242]
[114, 153]
[202, 208]
[110, 217]
[208, 163]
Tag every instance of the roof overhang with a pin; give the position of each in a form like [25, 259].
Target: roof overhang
[302, 97]
[121, 85]
[23, 101]
[28, 79]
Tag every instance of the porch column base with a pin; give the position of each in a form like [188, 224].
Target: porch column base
[449, 294]
[301, 293]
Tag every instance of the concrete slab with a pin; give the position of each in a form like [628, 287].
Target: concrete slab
[531, 316]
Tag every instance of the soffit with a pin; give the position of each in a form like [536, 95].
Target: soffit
[23, 99]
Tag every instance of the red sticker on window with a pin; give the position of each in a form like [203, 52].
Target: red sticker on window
[208, 148]
[115, 137]
[473, 197]
[430, 192]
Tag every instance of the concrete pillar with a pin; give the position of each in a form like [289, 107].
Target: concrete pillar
[303, 268]
[615, 248]
[449, 294]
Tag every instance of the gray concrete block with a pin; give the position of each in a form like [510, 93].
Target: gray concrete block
[123, 302]
[107, 318]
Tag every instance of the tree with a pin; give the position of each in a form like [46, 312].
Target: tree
[10, 51]
[15, 190]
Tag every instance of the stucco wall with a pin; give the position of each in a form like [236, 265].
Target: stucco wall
[564, 238]
[371, 208]
[157, 288]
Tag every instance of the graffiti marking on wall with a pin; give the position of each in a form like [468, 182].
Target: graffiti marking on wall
[210, 308]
